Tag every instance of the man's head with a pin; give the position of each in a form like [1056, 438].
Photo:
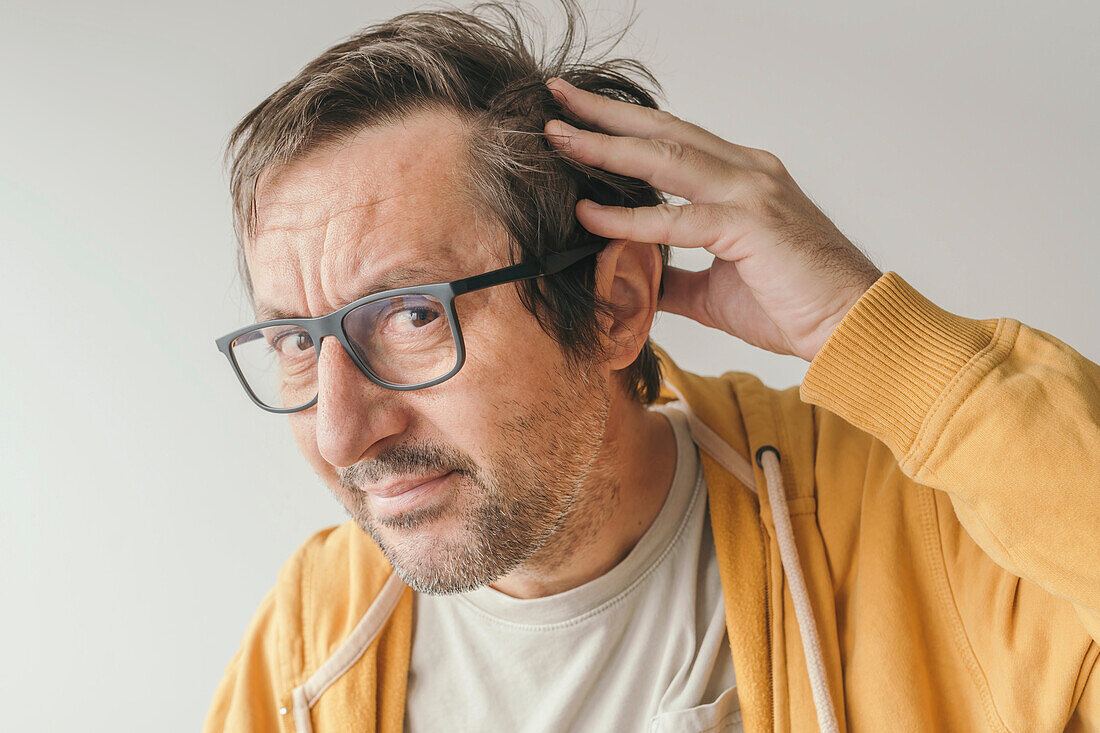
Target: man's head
[413, 153]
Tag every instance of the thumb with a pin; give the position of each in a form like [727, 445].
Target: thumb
[684, 293]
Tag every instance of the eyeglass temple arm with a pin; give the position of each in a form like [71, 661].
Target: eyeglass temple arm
[558, 261]
[554, 262]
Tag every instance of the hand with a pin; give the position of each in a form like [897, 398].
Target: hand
[783, 275]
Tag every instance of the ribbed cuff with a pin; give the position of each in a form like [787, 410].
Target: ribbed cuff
[890, 358]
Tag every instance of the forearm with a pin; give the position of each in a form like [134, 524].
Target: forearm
[1002, 417]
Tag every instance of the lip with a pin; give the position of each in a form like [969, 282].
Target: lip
[402, 496]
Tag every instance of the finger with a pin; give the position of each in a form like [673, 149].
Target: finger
[624, 118]
[718, 227]
[666, 164]
[684, 293]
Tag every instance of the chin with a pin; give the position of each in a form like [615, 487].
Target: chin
[415, 533]
[430, 563]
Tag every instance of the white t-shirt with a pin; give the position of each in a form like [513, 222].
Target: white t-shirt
[641, 648]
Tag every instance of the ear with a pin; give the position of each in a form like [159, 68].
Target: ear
[628, 276]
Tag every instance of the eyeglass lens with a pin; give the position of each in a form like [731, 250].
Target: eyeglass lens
[404, 340]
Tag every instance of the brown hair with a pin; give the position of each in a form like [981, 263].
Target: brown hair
[482, 68]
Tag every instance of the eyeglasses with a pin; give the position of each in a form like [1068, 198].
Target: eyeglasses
[402, 339]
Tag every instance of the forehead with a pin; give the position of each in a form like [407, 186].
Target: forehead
[389, 196]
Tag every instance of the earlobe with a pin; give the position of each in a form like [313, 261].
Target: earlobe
[628, 275]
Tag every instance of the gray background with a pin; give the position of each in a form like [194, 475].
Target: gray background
[147, 505]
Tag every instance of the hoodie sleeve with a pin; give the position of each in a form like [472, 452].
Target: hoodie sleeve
[1002, 417]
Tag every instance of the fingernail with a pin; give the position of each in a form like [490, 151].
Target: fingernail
[592, 204]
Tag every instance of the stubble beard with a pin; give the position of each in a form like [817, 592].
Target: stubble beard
[530, 507]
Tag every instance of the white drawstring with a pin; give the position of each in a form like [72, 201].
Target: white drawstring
[803, 611]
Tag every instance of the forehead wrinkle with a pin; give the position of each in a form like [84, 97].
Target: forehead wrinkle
[313, 209]
[342, 176]
[335, 265]
[357, 245]
[330, 211]
[319, 255]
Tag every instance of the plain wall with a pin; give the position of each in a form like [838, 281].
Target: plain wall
[146, 505]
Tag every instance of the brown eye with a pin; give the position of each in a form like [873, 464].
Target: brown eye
[410, 314]
[292, 344]
[422, 316]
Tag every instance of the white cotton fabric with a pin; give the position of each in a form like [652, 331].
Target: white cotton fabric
[641, 648]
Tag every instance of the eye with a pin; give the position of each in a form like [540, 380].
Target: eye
[292, 343]
[422, 315]
[410, 314]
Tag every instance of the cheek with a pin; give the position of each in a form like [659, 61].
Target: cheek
[511, 366]
[505, 346]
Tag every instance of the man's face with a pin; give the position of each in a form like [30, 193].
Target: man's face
[506, 444]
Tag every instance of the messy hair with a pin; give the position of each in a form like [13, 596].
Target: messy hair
[480, 64]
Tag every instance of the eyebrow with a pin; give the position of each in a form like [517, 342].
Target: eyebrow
[398, 277]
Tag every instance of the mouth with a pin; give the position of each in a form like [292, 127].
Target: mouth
[407, 494]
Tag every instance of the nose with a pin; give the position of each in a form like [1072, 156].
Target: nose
[355, 416]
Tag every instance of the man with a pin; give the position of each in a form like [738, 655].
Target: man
[547, 536]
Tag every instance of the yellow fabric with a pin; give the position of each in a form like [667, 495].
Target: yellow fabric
[943, 480]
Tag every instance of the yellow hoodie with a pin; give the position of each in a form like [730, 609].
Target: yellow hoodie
[923, 553]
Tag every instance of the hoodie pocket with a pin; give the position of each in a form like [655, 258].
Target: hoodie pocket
[721, 716]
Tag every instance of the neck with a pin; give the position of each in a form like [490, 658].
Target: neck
[620, 499]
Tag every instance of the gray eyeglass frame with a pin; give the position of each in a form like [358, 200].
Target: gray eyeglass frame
[445, 292]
